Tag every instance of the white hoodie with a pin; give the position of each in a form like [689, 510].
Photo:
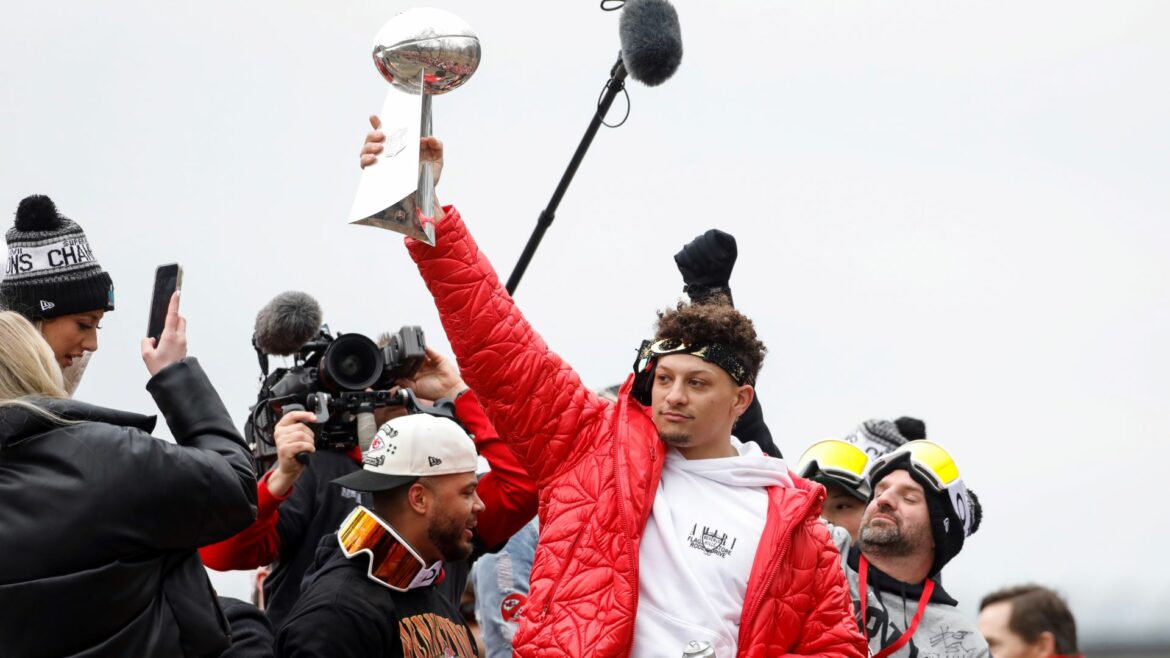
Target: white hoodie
[698, 548]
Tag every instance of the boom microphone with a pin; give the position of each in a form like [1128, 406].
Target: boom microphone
[289, 321]
[651, 40]
[651, 52]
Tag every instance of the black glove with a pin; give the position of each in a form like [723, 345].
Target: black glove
[706, 263]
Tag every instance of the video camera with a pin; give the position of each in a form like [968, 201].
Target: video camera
[337, 379]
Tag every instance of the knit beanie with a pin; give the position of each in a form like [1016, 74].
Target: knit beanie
[51, 270]
[877, 437]
[951, 520]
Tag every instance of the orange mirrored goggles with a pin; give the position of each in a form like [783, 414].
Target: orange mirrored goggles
[393, 562]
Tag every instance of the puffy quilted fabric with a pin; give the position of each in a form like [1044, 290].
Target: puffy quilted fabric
[597, 465]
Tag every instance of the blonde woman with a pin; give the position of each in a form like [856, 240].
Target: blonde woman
[53, 278]
[100, 521]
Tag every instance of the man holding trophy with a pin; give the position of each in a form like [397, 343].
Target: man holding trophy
[658, 527]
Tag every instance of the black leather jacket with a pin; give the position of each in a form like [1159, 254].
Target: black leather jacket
[99, 523]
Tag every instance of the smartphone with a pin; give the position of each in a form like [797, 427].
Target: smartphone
[167, 279]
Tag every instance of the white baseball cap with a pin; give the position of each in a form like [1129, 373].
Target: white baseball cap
[410, 447]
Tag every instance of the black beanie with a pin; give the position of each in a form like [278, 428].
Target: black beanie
[51, 270]
[946, 524]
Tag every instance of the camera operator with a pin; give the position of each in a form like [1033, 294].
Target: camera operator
[298, 504]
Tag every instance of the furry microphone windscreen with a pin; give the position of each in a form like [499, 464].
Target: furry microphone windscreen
[651, 40]
[289, 321]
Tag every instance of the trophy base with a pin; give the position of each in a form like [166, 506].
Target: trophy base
[404, 217]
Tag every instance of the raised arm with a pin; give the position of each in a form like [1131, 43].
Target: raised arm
[706, 264]
[202, 487]
[508, 491]
[533, 398]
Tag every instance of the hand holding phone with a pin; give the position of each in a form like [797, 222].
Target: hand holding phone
[170, 344]
[167, 279]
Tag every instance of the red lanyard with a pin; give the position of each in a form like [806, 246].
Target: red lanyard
[927, 590]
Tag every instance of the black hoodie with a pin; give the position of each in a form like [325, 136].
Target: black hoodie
[341, 612]
[99, 523]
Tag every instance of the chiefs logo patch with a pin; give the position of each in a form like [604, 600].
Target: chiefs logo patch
[512, 606]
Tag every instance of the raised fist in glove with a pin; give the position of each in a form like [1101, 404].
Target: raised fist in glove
[706, 263]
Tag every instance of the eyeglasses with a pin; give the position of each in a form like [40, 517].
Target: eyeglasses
[393, 562]
[936, 465]
[835, 458]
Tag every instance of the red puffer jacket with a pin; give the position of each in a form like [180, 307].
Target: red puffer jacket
[597, 466]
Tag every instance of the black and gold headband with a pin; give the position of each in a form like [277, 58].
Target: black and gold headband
[715, 353]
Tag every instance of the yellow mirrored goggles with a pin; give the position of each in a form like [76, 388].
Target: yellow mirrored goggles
[932, 460]
[835, 458]
[938, 468]
[393, 562]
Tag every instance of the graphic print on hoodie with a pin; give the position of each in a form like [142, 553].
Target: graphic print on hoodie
[698, 549]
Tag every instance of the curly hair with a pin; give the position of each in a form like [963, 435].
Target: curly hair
[713, 322]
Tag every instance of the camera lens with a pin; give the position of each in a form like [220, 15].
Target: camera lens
[352, 362]
[350, 366]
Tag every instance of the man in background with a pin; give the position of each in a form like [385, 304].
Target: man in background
[1028, 621]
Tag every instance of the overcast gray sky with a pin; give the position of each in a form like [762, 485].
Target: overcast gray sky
[954, 210]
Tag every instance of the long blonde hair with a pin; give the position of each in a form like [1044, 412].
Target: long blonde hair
[27, 365]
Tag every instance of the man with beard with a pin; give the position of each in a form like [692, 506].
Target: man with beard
[918, 516]
[842, 466]
[372, 589]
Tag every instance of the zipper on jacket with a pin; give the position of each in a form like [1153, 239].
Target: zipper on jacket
[624, 516]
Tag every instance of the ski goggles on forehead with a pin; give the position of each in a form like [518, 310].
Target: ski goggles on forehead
[393, 562]
[938, 468]
[835, 458]
[929, 459]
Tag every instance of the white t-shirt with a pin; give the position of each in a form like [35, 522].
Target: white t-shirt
[698, 548]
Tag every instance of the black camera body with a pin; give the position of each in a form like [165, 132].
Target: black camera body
[337, 379]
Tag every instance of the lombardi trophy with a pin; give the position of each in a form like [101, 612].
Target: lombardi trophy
[421, 52]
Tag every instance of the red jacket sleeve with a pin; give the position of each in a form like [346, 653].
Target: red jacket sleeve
[508, 492]
[538, 403]
[256, 545]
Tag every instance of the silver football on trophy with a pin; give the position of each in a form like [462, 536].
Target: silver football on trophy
[433, 43]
